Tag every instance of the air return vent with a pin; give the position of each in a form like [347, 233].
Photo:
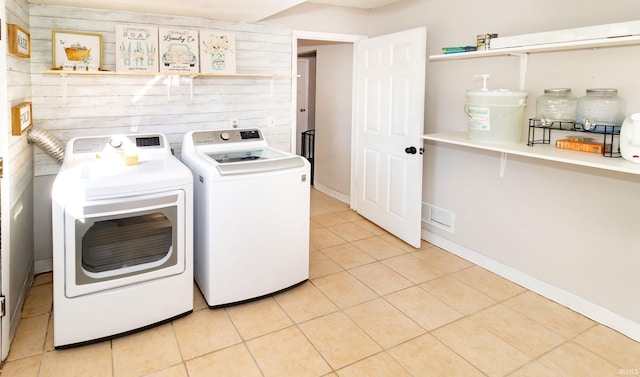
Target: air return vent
[438, 217]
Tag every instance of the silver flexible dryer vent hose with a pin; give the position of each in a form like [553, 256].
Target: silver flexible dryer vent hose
[47, 142]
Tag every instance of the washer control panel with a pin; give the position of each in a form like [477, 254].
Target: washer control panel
[226, 136]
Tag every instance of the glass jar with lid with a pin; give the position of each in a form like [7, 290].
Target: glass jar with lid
[600, 107]
[556, 105]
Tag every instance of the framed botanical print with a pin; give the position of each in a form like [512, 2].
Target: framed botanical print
[217, 52]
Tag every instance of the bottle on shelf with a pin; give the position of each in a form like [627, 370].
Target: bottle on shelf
[556, 105]
[599, 108]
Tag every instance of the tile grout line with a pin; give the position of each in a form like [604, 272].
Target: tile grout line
[565, 340]
[465, 316]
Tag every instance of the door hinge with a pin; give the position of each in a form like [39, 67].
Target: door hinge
[2, 306]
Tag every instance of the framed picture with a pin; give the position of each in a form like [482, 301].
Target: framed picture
[73, 50]
[136, 48]
[21, 118]
[178, 50]
[19, 41]
[217, 52]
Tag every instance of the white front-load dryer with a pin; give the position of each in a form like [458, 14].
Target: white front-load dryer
[251, 232]
[122, 209]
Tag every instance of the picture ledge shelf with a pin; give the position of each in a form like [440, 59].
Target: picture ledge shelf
[170, 76]
[183, 74]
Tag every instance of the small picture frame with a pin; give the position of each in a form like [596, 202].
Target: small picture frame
[21, 119]
[74, 48]
[19, 41]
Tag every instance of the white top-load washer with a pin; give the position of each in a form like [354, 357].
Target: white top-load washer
[122, 209]
[251, 208]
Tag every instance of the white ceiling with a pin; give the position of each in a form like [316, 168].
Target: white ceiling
[224, 10]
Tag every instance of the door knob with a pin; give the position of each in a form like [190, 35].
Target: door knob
[411, 150]
[303, 110]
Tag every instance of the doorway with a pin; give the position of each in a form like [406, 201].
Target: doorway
[384, 99]
[306, 93]
[328, 111]
[305, 120]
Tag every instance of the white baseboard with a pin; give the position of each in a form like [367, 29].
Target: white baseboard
[43, 265]
[332, 193]
[14, 317]
[562, 297]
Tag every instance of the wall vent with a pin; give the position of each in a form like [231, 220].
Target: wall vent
[438, 217]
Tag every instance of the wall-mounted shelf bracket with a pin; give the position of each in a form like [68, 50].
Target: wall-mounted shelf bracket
[524, 60]
[64, 87]
[503, 163]
[168, 82]
[273, 81]
[174, 80]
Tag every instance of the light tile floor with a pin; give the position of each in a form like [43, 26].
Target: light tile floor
[374, 306]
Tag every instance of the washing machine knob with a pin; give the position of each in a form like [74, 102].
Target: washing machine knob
[116, 143]
[224, 136]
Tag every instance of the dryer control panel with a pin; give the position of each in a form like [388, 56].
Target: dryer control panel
[91, 147]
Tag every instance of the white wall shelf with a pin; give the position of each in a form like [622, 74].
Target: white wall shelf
[523, 52]
[545, 152]
[549, 47]
[539, 151]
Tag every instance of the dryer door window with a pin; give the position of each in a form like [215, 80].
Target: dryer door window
[119, 243]
[122, 241]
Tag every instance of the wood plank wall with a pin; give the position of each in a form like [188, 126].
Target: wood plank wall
[18, 163]
[103, 105]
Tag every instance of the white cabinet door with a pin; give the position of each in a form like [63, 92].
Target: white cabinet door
[389, 118]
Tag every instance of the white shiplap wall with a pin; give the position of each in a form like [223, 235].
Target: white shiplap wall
[17, 183]
[102, 105]
[18, 161]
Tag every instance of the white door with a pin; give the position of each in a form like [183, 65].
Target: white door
[5, 322]
[5, 132]
[302, 101]
[389, 117]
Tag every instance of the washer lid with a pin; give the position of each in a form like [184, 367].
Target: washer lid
[260, 166]
[250, 161]
[246, 155]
